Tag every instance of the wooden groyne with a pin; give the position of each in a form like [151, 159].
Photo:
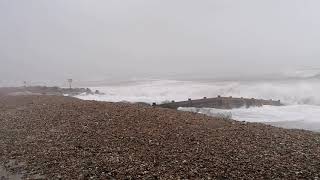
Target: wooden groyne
[220, 103]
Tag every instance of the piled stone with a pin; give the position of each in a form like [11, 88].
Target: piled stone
[55, 137]
[44, 90]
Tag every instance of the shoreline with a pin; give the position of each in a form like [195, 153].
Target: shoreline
[296, 125]
[226, 102]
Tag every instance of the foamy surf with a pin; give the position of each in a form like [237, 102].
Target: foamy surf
[290, 116]
[300, 96]
[289, 92]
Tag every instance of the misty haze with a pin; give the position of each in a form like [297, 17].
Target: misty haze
[150, 89]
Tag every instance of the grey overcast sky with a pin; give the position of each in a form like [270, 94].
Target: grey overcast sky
[94, 39]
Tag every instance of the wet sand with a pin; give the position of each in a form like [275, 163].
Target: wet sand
[55, 137]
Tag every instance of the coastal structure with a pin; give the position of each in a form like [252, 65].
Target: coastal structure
[220, 103]
[44, 90]
[70, 83]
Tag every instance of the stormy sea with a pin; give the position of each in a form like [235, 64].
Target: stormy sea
[299, 91]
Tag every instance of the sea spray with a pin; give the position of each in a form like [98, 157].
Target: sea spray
[301, 97]
[289, 92]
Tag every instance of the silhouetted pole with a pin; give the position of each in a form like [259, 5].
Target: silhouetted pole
[70, 83]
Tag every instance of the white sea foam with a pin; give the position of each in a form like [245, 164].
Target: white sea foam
[270, 114]
[290, 116]
[302, 97]
[289, 92]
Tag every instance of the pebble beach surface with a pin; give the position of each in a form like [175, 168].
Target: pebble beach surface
[56, 137]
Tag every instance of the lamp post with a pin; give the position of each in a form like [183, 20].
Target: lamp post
[70, 83]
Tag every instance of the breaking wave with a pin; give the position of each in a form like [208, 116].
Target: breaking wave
[303, 74]
[290, 116]
[302, 98]
[267, 114]
[290, 92]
